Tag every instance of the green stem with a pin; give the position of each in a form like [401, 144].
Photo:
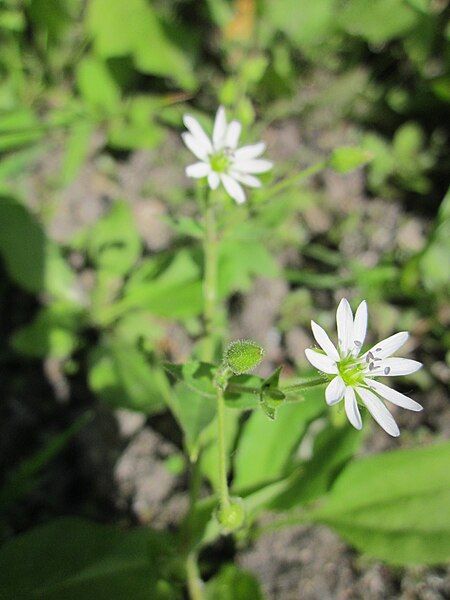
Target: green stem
[290, 181]
[194, 582]
[224, 494]
[301, 384]
[298, 386]
[210, 279]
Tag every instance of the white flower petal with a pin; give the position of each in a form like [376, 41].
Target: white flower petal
[233, 188]
[324, 341]
[390, 345]
[251, 151]
[379, 412]
[335, 391]
[197, 170]
[220, 128]
[198, 132]
[249, 180]
[351, 408]
[321, 361]
[194, 146]
[344, 323]
[213, 180]
[390, 367]
[359, 327]
[393, 396]
[257, 165]
[232, 135]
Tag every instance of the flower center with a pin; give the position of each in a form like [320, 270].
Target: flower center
[351, 370]
[219, 162]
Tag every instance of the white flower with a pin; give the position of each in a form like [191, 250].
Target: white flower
[220, 158]
[356, 373]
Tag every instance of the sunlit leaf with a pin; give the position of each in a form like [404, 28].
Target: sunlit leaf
[394, 506]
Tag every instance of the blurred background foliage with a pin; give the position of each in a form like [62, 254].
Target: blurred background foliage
[86, 87]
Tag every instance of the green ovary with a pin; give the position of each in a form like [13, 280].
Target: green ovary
[351, 371]
[219, 162]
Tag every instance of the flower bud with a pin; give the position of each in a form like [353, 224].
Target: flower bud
[231, 517]
[243, 356]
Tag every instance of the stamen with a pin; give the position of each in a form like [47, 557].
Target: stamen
[357, 343]
[387, 370]
[369, 357]
[378, 349]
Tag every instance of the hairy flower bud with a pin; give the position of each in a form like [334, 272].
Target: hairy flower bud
[242, 356]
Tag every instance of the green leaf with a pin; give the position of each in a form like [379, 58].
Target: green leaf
[113, 243]
[394, 506]
[271, 397]
[194, 401]
[196, 376]
[175, 292]
[307, 23]
[134, 29]
[77, 150]
[333, 447]
[209, 458]
[240, 260]
[137, 127]
[97, 86]
[194, 413]
[233, 584]
[72, 558]
[348, 158]
[266, 446]
[242, 392]
[123, 376]
[52, 333]
[377, 21]
[18, 128]
[32, 260]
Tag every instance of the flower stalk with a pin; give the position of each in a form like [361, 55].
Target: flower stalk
[210, 252]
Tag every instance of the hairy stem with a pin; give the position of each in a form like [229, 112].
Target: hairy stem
[194, 582]
[224, 494]
[210, 279]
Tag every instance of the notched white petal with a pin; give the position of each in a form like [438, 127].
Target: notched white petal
[198, 132]
[359, 327]
[233, 134]
[257, 165]
[393, 396]
[213, 180]
[197, 170]
[344, 323]
[321, 361]
[393, 366]
[351, 408]
[334, 391]
[220, 128]
[379, 412]
[233, 188]
[246, 179]
[251, 151]
[390, 345]
[324, 341]
[194, 146]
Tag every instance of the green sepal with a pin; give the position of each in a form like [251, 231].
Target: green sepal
[271, 397]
